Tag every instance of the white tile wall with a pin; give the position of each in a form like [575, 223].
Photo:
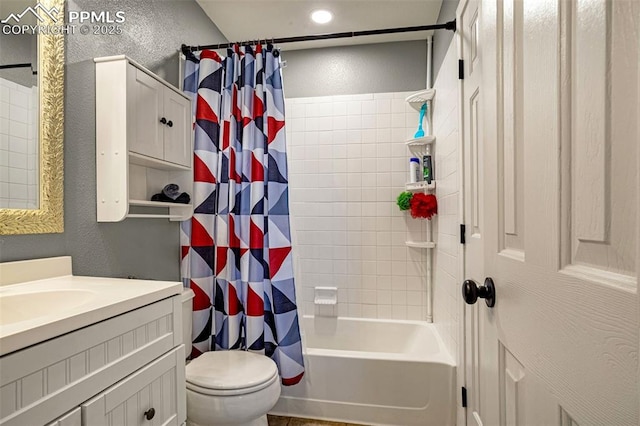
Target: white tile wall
[446, 293]
[18, 145]
[347, 164]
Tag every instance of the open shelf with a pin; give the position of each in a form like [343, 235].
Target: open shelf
[417, 99]
[425, 140]
[156, 216]
[420, 147]
[145, 203]
[421, 244]
[143, 160]
[420, 186]
[172, 211]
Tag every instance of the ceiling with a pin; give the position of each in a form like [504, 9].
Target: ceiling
[240, 20]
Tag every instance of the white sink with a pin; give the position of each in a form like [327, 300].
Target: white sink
[24, 306]
[40, 299]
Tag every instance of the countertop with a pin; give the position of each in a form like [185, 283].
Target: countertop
[102, 298]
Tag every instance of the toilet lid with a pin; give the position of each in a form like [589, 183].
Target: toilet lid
[230, 370]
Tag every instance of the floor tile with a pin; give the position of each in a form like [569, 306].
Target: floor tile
[294, 421]
[278, 421]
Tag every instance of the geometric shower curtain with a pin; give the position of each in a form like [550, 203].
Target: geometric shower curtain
[236, 250]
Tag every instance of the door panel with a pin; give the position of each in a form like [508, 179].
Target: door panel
[510, 147]
[559, 200]
[597, 196]
[523, 398]
[150, 396]
[177, 138]
[145, 113]
[72, 418]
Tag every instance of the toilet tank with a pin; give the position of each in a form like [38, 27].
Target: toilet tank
[187, 321]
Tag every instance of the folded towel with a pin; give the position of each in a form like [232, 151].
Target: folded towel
[171, 190]
[171, 194]
[183, 198]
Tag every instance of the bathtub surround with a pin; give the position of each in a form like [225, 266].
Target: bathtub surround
[348, 162]
[18, 145]
[145, 248]
[18, 49]
[446, 293]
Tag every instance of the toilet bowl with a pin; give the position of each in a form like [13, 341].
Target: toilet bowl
[226, 388]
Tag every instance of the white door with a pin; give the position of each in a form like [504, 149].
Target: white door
[144, 113]
[558, 211]
[480, 331]
[177, 131]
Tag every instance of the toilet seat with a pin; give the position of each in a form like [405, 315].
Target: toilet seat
[230, 392]
[228, 373]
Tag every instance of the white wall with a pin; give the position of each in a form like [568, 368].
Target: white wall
[18, 145]
[446, 296]
[347, 164]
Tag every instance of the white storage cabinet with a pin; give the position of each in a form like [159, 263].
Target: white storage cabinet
[143, 141]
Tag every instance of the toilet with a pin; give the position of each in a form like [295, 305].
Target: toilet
[226, 388]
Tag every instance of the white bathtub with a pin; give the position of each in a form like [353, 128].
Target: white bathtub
[374, 372]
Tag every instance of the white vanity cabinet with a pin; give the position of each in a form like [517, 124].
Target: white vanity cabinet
[147, 397]
[115, 372]
[73, 418]
[143, 142]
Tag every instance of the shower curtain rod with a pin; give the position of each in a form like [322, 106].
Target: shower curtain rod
[451, 26]
[9, 66]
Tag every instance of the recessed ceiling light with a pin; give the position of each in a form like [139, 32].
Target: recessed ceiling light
[321, 16]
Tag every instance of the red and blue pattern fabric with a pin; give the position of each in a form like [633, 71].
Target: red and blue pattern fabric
[236, 250]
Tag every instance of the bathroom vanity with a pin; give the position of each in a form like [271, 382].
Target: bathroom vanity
[88, 351]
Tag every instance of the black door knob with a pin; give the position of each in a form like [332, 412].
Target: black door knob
[170, 123]
[471, 292]
[150, 413]
[163, 120]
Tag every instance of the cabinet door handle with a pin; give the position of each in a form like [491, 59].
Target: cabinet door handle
[163, 120]
[170, 123]
[150, 413]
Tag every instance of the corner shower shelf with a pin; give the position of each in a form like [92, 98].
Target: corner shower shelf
[421, 244]
[420, 186]
[420, 146]
[417, 99]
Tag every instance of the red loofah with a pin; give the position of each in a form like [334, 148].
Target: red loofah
[423, 206]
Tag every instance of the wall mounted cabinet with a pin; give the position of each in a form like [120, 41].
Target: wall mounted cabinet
[143, 142]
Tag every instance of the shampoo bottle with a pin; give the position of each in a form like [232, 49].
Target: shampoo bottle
[427, 169]
[414, 170]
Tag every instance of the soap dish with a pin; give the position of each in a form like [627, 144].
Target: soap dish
[325, 295]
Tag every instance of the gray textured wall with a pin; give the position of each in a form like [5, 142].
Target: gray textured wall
[347, 70]
[146, 248]
[442, 38]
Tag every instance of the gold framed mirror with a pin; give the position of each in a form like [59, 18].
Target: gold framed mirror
[46, 214]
